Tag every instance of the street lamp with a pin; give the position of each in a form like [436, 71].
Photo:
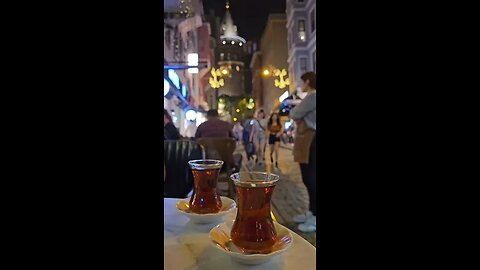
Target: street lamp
[282, 80]
[191, 115]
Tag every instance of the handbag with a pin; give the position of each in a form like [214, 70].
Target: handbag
[250, 148]
[260, 125]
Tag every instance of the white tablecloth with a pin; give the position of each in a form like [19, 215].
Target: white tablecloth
[187, 247]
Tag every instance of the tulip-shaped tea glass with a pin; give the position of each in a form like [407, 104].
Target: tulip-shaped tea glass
[205, 173]
[253, 230]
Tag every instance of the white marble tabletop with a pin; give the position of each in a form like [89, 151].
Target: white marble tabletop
[187, 247]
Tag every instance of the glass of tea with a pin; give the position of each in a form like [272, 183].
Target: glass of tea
[205, 173]
[253, 230]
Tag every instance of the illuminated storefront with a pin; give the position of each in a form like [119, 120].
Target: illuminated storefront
[175, 100]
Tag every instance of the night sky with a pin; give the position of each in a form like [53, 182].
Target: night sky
[250, 16]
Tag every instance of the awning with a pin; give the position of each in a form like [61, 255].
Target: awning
[174, 91]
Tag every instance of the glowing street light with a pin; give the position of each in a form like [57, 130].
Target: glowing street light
[237, 110]
[192, 59]
[191, 115]
[224, 71]
[166, 87]
[283, 81]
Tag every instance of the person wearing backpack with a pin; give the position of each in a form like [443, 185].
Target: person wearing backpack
[258, 137]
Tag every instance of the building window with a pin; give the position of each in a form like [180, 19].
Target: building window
[190, 40]
[303, 65]
[301, 25]
[312, 19]
[180, 47]
[314, 59]
[187, 43]
[167, 38]
[301, 30]
[222, 56]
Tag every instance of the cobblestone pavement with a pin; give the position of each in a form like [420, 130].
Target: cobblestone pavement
[290, 196]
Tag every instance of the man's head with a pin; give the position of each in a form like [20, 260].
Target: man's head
[212, 114]
[309, 81]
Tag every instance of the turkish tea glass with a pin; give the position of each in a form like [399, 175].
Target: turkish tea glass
[253, 230]
[205, 199]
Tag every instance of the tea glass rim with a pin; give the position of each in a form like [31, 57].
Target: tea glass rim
[215, 164]
[261, 182]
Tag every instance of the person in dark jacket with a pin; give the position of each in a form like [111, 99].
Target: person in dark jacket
[170, 132]
[214, 127]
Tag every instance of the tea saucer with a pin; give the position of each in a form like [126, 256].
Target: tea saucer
[228, 205]
[220, 238]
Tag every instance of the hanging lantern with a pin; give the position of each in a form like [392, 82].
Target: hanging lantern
[216, 81]
[281, 83]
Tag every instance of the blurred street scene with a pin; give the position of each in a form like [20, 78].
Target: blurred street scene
[242, 62]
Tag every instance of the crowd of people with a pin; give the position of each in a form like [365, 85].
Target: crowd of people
[256, 132]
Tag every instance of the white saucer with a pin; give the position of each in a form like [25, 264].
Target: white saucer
[228, 205]
[220, 238]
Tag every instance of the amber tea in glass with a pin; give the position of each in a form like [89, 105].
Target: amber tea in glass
[205, 174]
[253, 230]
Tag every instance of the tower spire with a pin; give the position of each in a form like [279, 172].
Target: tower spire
[228, 28]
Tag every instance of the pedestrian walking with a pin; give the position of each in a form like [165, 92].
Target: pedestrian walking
[304, 149]
[238, 132]
[274, 132]
[258, 137]
[249, 148]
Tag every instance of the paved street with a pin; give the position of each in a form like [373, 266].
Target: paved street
[290, 196]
